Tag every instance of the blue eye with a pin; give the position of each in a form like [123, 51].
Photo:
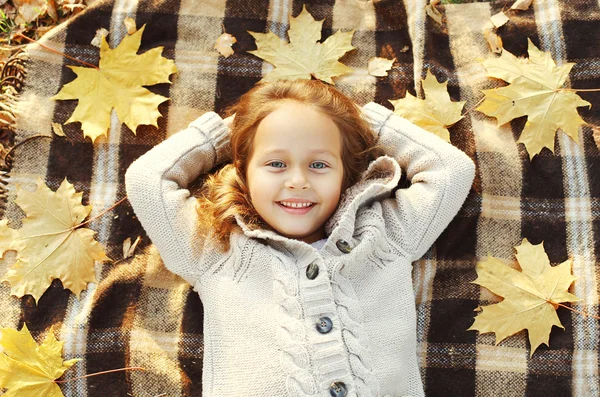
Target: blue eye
[320, 165]
[274, 164]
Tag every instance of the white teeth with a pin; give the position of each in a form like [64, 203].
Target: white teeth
[295, 205]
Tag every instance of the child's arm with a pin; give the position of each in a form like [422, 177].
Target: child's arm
[440, 175]
[157, 182]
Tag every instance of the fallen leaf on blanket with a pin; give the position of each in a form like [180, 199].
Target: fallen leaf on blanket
[224, 43]
[29, 369]
[49, 244]
[118, 83]
[97, 40]
[129, 23]
[494, 41]
[435, 113]
[128, 248]
[7, 236]
[433, 13]
[379, 66]
[531, 296]
[499, 19]
[536, 91]
[521, 5]
[57, 129]
[303, 57]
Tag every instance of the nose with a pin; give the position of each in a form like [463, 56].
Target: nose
[297, 179]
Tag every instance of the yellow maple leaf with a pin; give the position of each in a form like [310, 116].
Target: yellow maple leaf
[48, 244]
[435, 113]
[224, 43]
[302, 57]
[117, 83]
[530, 296]
[378, 66]
[29, 369]
[536, 91]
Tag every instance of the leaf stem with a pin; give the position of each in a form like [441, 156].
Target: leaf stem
[474, 106]
[22, 142]
[98, 373]
[76, 226]
[58, 52]
[576, 311]
[100, 214]
[579, 89]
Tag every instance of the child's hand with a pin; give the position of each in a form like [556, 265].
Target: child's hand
[229, 121]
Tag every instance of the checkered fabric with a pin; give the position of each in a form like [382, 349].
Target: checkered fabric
[139, 314]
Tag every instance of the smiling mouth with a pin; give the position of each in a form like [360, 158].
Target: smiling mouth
[295, 205]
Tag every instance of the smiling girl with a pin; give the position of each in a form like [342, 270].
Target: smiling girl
[301, 247]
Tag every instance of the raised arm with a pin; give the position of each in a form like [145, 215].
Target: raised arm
[440, 174]
[157, 182]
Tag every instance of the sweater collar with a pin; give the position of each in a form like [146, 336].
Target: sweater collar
[382, 175]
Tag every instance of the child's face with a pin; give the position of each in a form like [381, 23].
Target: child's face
[296, 157]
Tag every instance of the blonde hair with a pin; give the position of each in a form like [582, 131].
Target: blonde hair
[225, 193]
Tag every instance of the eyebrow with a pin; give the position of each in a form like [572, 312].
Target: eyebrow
[314, 151]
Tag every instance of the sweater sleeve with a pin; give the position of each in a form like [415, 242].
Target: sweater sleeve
[440, 175]
[156, 185]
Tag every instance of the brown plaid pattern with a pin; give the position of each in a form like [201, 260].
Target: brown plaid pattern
[141, 315]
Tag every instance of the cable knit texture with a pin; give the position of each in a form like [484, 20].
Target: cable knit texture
[261, 309]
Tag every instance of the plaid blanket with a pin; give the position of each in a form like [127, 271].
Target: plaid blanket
[138, 314]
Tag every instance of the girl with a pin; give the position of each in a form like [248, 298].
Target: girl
[301, 249]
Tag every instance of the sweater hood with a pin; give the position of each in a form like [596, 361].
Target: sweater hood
[376, 182]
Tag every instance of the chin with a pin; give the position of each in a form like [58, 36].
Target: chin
[295, 234]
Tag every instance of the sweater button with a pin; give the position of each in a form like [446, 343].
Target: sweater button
[312, 271]
[343, 246]
[324, 325]
[338, 389]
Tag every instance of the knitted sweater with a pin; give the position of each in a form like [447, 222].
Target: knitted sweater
[282, 318]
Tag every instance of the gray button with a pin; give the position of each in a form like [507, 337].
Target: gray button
[312, 271]
[324, 325]
[338, 389]
[343, 246]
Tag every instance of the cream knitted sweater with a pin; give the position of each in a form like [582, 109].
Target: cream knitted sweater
[282, 318]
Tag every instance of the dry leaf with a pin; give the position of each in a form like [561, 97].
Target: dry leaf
[52, 10]
[521, 5]
[29, 369]
[494, 41]
[48, 245]
[379, 66]
[128, 248]
[302, 57]
[434, 13]
[435, 113]
[118, 83]
[100, 34]
[224, 43]
[535, 92]
[58, 130]
[499, 19]
[530, 296]
[71, 5]
[30, 10]
[130, 25]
